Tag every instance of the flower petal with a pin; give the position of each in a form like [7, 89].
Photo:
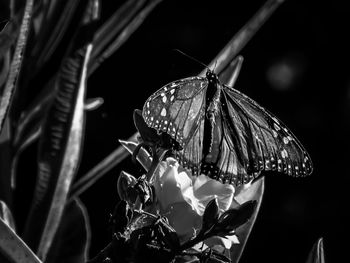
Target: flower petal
[183, 219]
[205, 187]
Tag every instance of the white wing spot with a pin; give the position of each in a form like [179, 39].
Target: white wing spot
[275, 119]
[285, 140]
[165, 122]
[171, 86]
[172, 91]
[152, 118]
[163, 112]
[162, 94]
[147, 104]
[277, 128]
[165, 88]
[284, 154]
[164, 99]
[275, 134]
[172, 98]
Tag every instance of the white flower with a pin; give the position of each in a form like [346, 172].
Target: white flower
[182, 198]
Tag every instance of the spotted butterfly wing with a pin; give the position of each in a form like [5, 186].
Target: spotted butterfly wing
[224, 134]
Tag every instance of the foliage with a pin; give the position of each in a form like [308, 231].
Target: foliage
[48, 49]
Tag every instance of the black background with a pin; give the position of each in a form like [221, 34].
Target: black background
[306, 44]
[310, 38]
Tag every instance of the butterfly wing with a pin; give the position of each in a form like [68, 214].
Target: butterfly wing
[177, 108]
[260, 141]
[246, 138]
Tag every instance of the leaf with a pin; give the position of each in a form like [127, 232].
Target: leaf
[211, 215]
[29, 127]
[231, 219]
[252, 192]
[230, 74]
[128, 20]
[121, 217]
[72, 239]
[58, 17]
[241, 38]
[167, 234]
[59, 149]
[125, 188]
[13, 248]
[8, 35]
[7, 93]
[6, 215]
[316, 254]
[6, 193]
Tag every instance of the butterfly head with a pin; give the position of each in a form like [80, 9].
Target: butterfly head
[212, 77]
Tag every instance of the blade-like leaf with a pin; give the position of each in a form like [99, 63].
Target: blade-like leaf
[13, 248]
[7, 93]
[6, 193]
[316, 254]
[8, 36]
[29, 127]
[241, 38]
[59, 149]
[6, 215]
[253, 192]
[121, 36]
[57, 19]
[230, 74]
[112, 27]
[72, 240]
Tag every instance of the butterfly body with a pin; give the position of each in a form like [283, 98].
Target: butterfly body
[222, 132]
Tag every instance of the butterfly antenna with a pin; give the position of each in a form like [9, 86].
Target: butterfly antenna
[190, 57]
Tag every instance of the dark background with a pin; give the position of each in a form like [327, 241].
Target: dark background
[296, 66]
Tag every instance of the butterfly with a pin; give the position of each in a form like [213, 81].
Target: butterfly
[223, 133]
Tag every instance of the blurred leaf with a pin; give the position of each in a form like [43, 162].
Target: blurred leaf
[29, 127]
[9, 89]
[58, 17]
[59, 147]
[8, 35]
[119, 28]
[112, 27]
[13, 248]
[230, 74]
[72, 239]
[242, 37]
[97, 172]
[252, 192]
[6, 215]
[6, 193]
[316, 254]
